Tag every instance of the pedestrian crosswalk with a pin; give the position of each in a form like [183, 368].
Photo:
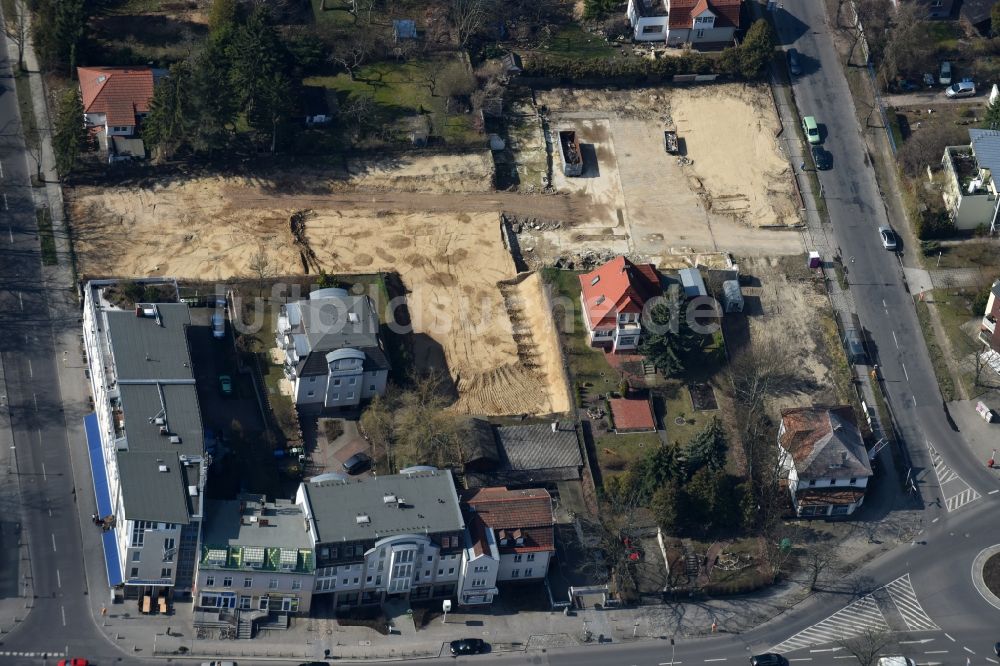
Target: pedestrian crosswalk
[954, 489]
[866, 614]
[902, 595]
[34, 655]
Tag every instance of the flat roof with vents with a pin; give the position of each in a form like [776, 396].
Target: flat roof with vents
[337, 507]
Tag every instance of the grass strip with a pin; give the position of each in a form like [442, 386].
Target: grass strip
[46, 237]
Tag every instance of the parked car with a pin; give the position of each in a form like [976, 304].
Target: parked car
[906, 85]
[226, 384]
[768, 659]
[944, 76]
[218, 663]
[889, 240]
[896, 661]
[75, 661]
[357, 463]
[811, 128]
[468, 646]
[961, 89]
[821, 158]
[793, 62]
[218, 326]
[928, 79]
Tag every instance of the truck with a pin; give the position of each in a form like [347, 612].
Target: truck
[569, 148]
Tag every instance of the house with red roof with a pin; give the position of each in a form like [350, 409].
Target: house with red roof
[612, 297]
[520, 526]
[115, 100]
[679, 22]
[824, 456]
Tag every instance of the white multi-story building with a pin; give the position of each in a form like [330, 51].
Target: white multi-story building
[519, 526]
[145, 437]
[679, 22]
[399, 536]
[333, 354]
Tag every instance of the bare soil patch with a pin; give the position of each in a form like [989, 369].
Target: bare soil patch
[991, 574]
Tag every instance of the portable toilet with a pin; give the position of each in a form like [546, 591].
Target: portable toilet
[732, 297]
[692, 283]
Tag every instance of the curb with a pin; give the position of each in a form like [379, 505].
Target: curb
[977, 575]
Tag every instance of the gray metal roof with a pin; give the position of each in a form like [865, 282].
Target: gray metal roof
[148, 493]
[986, 146]
[145, 349]
[226, 525]
[536, 447]
[337, 322]
[428, 504]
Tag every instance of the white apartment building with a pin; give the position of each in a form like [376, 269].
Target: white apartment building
[333, 354]
[145, 438]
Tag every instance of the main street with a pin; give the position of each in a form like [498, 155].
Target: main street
[953, 621]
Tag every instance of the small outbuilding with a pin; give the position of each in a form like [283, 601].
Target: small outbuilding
[404, 29]
[692, 283]
[732, 297]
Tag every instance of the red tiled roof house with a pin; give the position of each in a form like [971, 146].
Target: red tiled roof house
[822, 452]
[116, 98]
[612, 297]
[521, 526]
[679, 22]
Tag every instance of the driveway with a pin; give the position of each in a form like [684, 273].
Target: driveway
[212, 358]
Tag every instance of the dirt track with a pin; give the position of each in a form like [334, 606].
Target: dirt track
[563, 208]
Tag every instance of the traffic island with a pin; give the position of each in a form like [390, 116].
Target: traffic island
[986, 574]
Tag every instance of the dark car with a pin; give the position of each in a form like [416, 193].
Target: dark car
[821, 158]
[357, 463]
[793, 62]
[468, 646]
[768, 659]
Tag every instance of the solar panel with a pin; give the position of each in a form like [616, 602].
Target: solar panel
[216, 555]
[289, 557]
[253, 554]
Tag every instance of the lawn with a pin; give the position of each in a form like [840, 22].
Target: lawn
[46, 237]
[969, 254]
[336, 15]
[573, 42]
[400, 90]
[945, 382]
[944, 34]
[29, 125]
[954, 306]
[615, 453]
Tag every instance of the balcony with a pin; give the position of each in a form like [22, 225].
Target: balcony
[990, 324]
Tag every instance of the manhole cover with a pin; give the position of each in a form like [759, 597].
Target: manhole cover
[680, 420]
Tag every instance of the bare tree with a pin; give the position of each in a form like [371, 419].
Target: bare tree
[867, 646]
[352, 52]
[468, 17]
[260, 266]
[905, 45]
[820, 558]
[16, 29]
[453, 80]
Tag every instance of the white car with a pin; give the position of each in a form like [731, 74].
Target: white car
[888, 236]
[961, 89]
[944, 77]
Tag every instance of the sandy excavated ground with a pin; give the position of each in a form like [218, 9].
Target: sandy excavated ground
[737, 181]
[452, 263]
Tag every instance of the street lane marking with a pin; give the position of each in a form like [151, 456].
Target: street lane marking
[936, 519]
[968, 650]
[1, 169]
[902, 595]
[31, 373]
[58, 579]
[960, 493]
[53, 543]
[20, 297]
[992, 661]
[10, 232]
[905, 374]
[63, 614]
[936, 652]
[44, 475]
[34, 397]
[950, 638]
[851, 620]
[993, 492]
[895, 340]
[5, 206]
[716, 659]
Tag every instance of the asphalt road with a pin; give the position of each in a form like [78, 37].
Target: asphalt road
[42, 497]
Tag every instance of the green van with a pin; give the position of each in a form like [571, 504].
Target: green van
[811, 129]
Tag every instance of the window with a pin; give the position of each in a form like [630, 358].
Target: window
[344, 582]
[336, 382]
[368, 580]
[312, 380]
[427, 573]
[531, 557]
[296, 584]
[430, 558]
[853, 481]
[335, 396]
[311, 394]
[699, 34]
[263, 603]
[371, 388]
[378, 580]
[166, 572]
[349, 396]
[651, 29]
[478, 582]
[518, 558]
[272, 584]
[168, 543]
[451, 571]
[136, 555]
[357, 580]
[139, 528]
[227, 581]
[626, 340]
[134, 573]
[527, 572]
[352, 381]
[333, 552]
[514, 573]
[480, 569]
[833, 482]
[244, 603]
[812, 482]
[440, 572]
[209, 581]
[248, 582]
